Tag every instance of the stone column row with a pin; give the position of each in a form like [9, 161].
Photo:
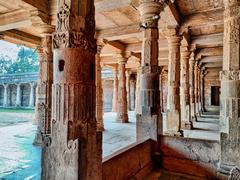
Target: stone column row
[18, 102]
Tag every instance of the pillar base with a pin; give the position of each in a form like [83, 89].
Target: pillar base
[123, 118]
[187, 125]
[173, 124]
[146, 127]
[173, 133]
[38, 140]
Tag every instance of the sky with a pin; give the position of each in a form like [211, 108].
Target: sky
[8, 49]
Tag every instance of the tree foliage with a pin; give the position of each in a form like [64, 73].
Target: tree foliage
[27, 61]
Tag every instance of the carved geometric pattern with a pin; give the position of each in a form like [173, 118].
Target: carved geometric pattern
[229, 75]
[234, 174]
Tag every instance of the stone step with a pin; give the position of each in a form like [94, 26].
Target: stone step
[206, 126]
[208, 120]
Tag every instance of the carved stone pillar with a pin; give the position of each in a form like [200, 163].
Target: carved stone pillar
[199, 91]
[115, 89]
[18, 96]
[99, 89]
[74, 149]
[5, 95]
[132, 94]
[44, 89]
[149, 123]
[191, 83]
[173, 103]
[202, 89]
[196, 88]
[128, 90]
[230, 89]
[32, 95]
[122, 113]
[184, 88]
[138, 92]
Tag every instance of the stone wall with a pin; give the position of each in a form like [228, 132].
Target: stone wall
[211, 79]
[190, 156]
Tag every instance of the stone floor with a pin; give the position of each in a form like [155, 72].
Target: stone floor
[19, 159]
[117, 135]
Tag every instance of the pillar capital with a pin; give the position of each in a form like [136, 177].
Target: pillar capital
[100, 44]
[150, 13]
[74, 28]
[122, 57]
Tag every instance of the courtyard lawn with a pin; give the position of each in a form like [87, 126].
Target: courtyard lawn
[16, 110]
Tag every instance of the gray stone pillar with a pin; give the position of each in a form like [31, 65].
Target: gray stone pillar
[18, 96]
[138, 92]
[184, 88]
[5, 95]
[196, 89]
[128, 89]
[191, 83]
[230, 89]
[32, 95]
[149, 123]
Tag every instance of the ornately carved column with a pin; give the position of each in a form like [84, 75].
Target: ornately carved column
[184, 88]
[44, 89]
[115, 89]
[150, 118]
[99, 89]
[74, 149]
[18, 95]
[173, 103]
[122, 113]
[230, 88]
[5, 95]
[191, 83]
[196, 88]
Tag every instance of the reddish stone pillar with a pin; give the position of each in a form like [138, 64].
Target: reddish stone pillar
[173, 103]
[74, 150]
[230, 89]
[122, 113]
[150, 118]
[99, 89]
[44, 90]
[196, 88]
[191, 83]
[184, 88]
[115, 89]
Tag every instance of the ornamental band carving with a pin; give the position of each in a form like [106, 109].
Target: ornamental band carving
[229, 75]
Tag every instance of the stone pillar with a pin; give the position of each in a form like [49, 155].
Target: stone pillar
[128, 89]
[99, 89]
[44, 89]
[184, 88]
[122, 113]
[149, 123]
[115, 89]
[202, 89]
[199, 90]
[74, 148]
[230, 89]
[138, 92]
[32, 99]
[18, 96]
[132, 93]
[5, 95]
[196, 88]
[173, 103]
[192, 84]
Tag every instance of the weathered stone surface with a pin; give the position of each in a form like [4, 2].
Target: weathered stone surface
[190, 156]
[138, 159]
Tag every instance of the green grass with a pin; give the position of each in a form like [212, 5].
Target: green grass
[17, 110]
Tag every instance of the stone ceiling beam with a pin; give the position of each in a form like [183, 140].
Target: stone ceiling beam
[211, 40]
[19, 37]
[217, 51]
[108, 5]
[212, 59]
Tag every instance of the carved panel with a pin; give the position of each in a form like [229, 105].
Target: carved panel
[229, 75]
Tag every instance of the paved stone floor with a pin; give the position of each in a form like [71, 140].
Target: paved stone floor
[19, 159]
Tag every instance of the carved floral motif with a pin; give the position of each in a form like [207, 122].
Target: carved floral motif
[230, 75]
